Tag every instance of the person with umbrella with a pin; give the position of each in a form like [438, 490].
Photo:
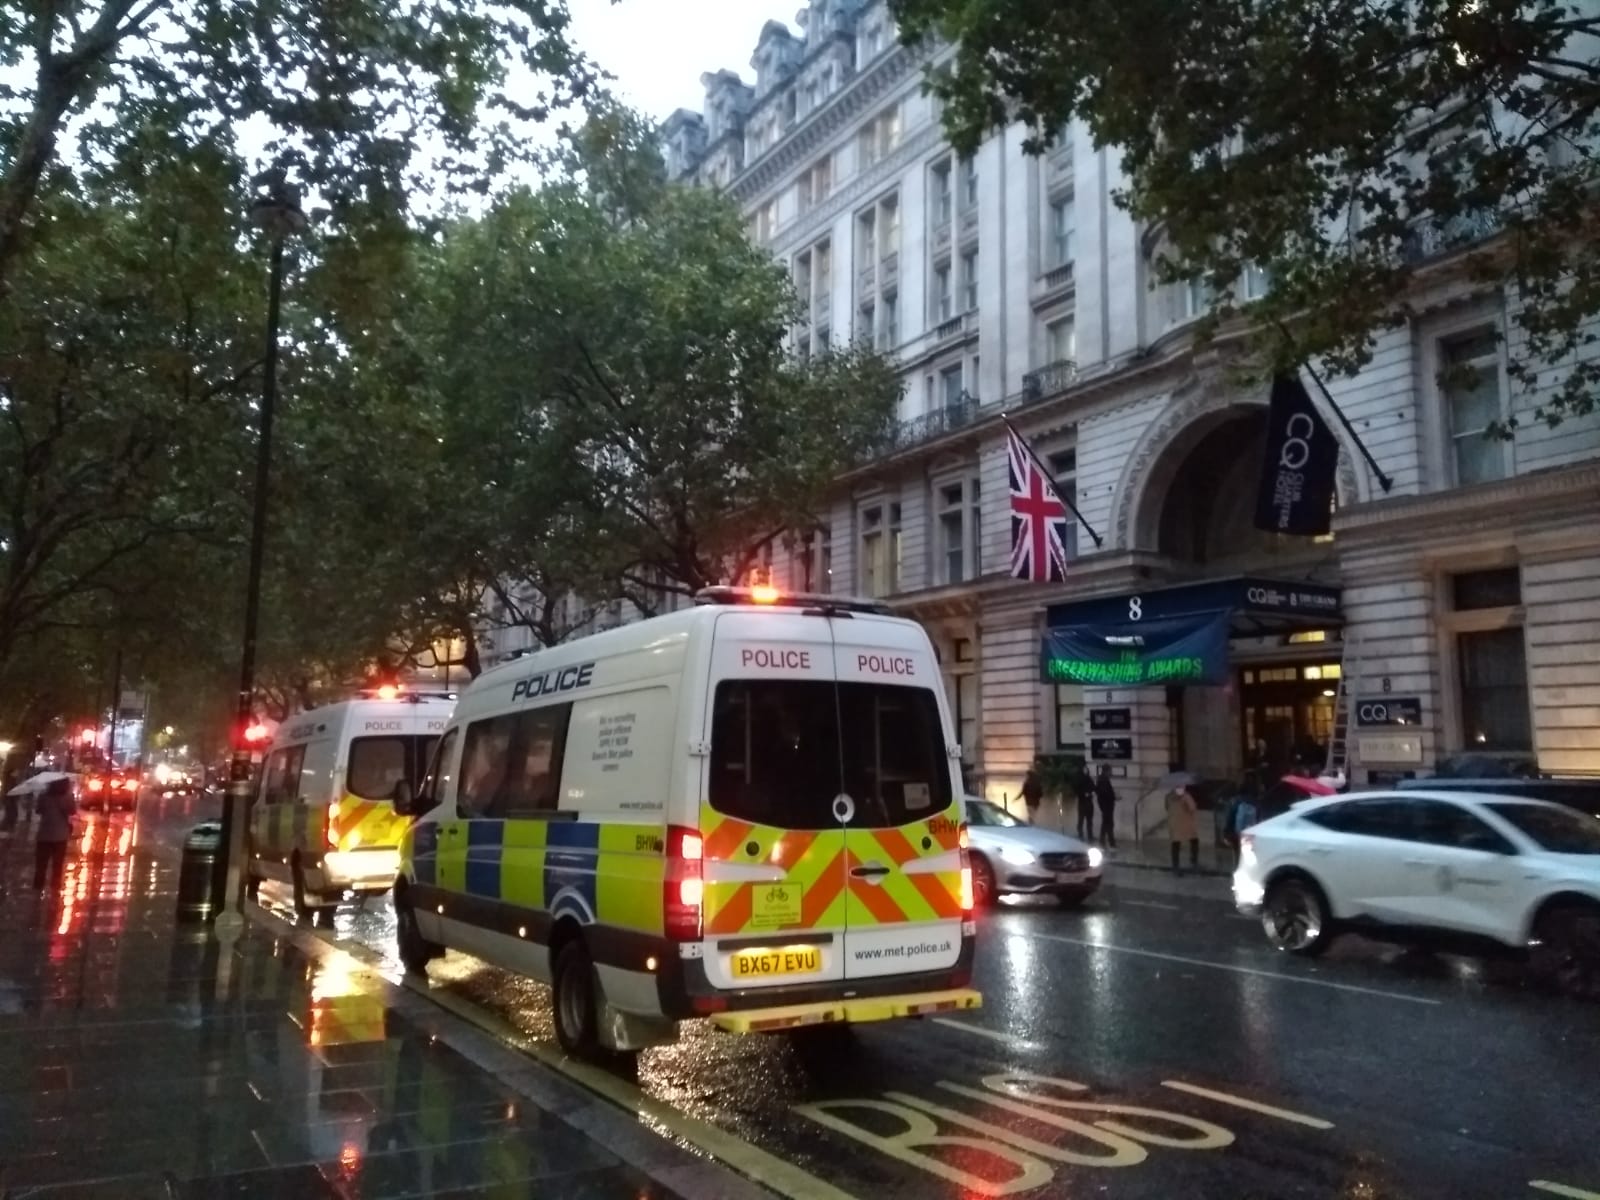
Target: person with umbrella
[56, 808]
[1183, 820]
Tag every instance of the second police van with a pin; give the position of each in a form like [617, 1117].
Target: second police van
[747, 811]
[323, 820]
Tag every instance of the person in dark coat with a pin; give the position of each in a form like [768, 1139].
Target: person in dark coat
[1083, 786]
[1106, 795]
[1032, 794]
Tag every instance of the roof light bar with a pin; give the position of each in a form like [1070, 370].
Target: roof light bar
[763, 595]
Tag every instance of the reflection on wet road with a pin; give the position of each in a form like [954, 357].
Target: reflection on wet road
[1148, 1045]
[1144, 1043]
[138, 1059]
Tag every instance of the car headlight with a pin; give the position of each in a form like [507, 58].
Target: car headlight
[1018, 857]
[1096, 857]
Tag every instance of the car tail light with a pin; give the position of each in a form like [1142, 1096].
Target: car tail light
[96, 785]
[682, 884]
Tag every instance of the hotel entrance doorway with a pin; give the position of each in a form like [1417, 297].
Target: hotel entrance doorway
[1288, 711]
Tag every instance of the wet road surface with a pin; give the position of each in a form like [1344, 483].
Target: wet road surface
[140, 1060]
[1149, 1044]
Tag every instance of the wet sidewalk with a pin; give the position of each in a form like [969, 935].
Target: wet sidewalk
[140, 1060]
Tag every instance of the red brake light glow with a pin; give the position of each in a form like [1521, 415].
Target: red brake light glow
[682, 885]
[96, 785]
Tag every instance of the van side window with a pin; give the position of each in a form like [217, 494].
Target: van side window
[280, 782]
[533, 780]
[435, 783]
[511, 765]
[483, 765]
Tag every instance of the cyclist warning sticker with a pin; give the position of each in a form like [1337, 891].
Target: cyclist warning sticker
[774, 905]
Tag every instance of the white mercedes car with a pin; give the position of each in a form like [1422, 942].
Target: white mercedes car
[1011, 858]
[1448, 869]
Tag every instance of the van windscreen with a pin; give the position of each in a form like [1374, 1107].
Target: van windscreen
[777, 757]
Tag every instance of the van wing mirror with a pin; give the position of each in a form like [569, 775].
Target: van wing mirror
[405, 799]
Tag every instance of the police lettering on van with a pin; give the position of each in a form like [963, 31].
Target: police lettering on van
[749, 811]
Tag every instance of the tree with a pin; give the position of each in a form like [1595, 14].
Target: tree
[660, 331]
[1340, 144]
[363, 103]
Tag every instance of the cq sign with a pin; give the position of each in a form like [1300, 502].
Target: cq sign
[1297, 435]
[1389, 710]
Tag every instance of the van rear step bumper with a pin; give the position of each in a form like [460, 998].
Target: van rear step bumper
[853, 1012]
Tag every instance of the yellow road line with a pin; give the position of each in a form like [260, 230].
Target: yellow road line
[746, 1158]
[1561, 1189]
[1283, 1114]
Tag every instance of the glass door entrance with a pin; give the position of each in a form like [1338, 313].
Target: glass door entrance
[1287, 713]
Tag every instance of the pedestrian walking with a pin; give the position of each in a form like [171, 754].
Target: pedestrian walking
[56, 807]
[1242, 811]
[1183, 825]
[1106, 796]
[1032, 794]
[1083, 788]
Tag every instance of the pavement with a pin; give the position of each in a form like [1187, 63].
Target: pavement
[141, 1060]
[1149, 1044]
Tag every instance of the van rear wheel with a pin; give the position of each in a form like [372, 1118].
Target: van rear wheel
[576, 1001]
[416, 951]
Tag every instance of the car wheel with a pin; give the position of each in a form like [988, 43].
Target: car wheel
[416, 951]
[1566, 951]
[1295, 917]
[984, 889]
[576, 1001]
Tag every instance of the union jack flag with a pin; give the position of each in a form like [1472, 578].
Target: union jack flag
[1038, 518]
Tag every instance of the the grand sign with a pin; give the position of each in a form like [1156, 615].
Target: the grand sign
[1170, 651]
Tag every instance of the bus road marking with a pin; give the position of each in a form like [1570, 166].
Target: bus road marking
[1283, 1114]
[1562, 1189]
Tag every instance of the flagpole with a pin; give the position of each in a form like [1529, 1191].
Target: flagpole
[1383, 480]
[1056, 487]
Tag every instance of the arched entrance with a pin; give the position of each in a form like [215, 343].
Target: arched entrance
[1197, 511]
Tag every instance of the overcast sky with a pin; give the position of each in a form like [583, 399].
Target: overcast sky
[658, 49]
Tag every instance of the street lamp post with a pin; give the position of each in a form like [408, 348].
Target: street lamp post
[278, 213]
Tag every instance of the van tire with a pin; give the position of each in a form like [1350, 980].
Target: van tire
[306, 903]
[575, 999]
[416, 951]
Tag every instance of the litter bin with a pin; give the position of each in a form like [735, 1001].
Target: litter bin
[200, 850]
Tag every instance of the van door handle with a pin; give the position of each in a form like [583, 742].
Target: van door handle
[873, 871]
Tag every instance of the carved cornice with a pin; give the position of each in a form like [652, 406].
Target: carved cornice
[808, 138]
[1495, 504]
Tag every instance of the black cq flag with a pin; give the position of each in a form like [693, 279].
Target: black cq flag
[1297, 472]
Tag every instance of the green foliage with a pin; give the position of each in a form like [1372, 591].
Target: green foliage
[362, 104]
[1339, 143]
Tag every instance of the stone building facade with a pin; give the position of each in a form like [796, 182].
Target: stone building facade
[1468, 594]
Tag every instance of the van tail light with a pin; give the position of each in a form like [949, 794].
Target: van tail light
[333, 825]
[683, 886]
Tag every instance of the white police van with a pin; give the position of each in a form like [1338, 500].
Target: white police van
[748, 811]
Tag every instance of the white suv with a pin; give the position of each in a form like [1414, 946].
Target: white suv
[1434, 867]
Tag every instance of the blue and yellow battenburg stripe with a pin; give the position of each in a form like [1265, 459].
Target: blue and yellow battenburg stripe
[607, 873]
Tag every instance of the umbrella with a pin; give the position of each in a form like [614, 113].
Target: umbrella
[37, 783]
[1311, 787]
[1177, 779]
